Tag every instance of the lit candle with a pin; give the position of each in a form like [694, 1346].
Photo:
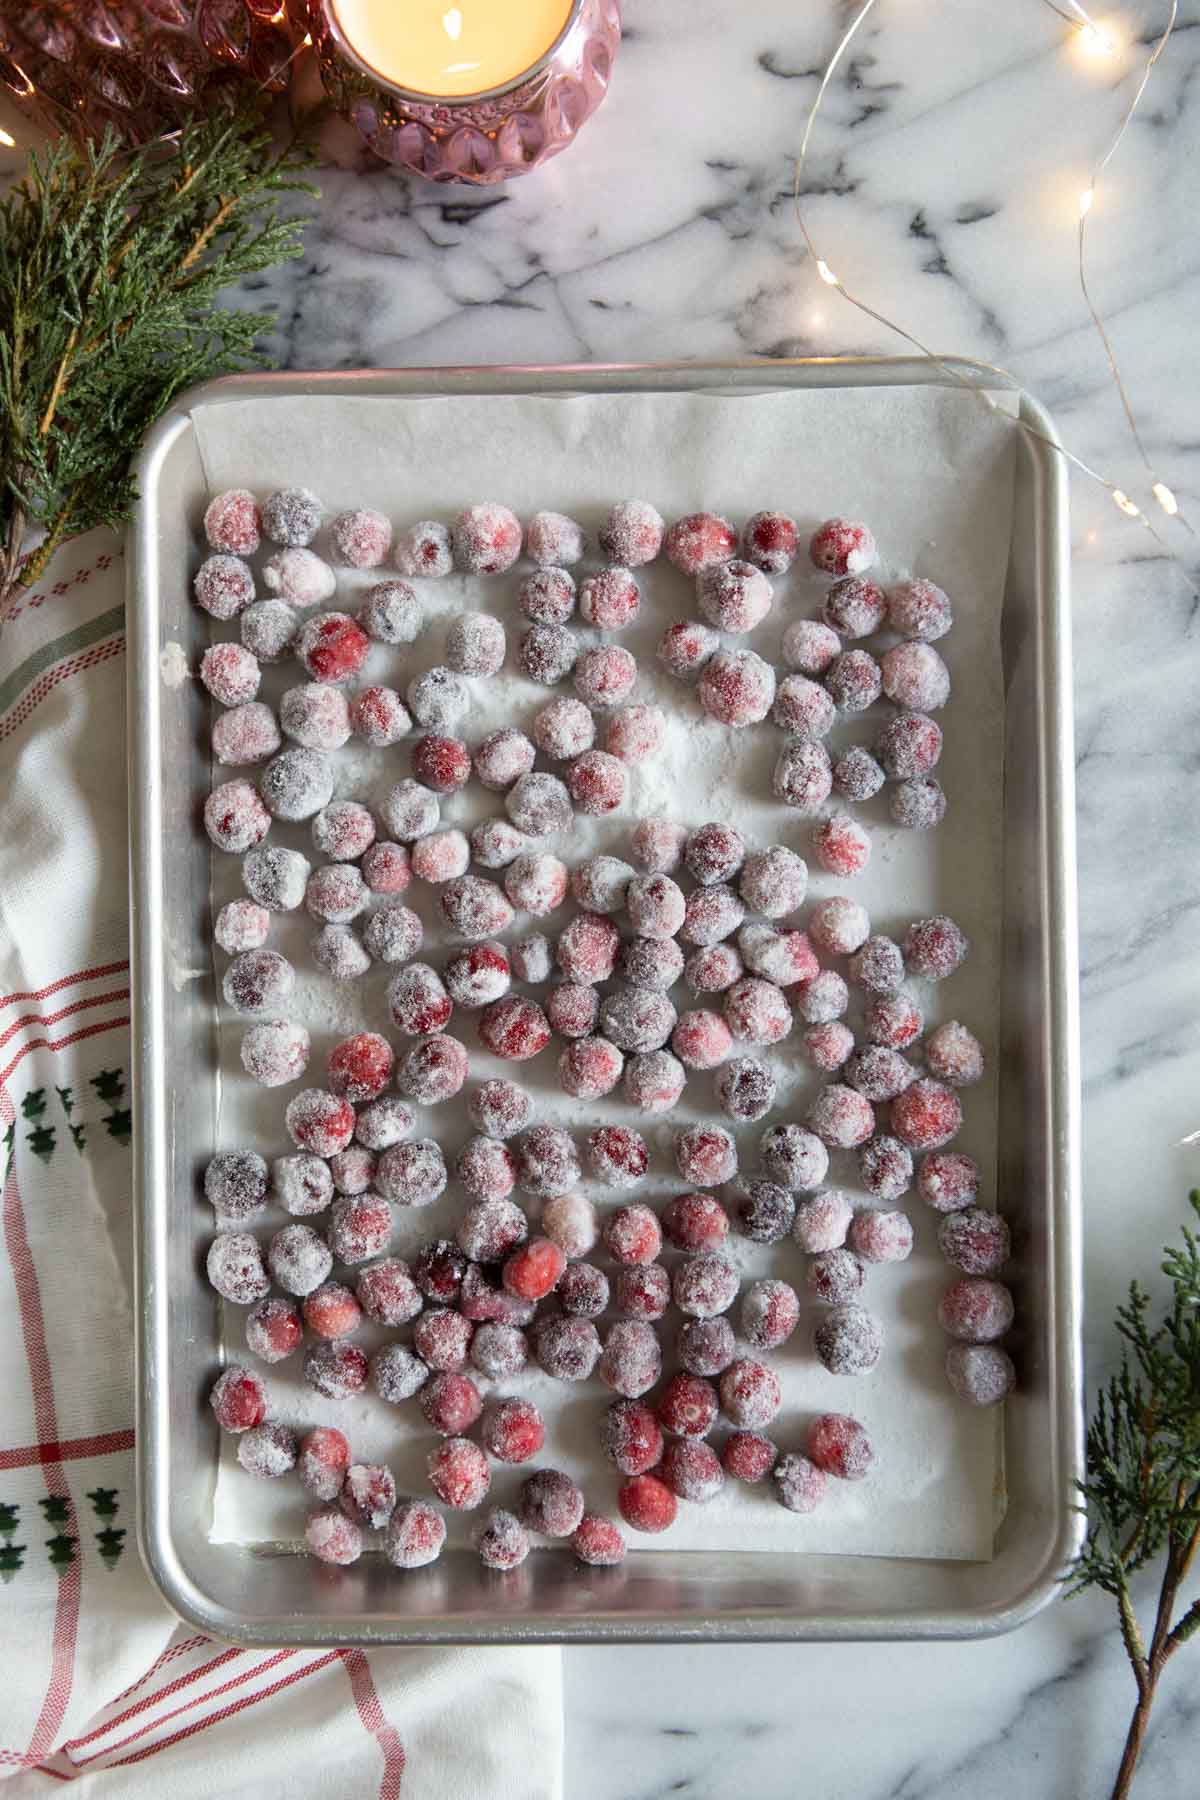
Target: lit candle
[446, 50]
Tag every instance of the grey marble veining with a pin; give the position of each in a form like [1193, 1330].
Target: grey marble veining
[943, 185]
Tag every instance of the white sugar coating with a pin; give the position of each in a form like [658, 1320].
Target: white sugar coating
[316, 716]
[809, 646]
[299, 576]
[391, 613]
[704, 771]
[291, 516]
[276, 877]
[268, 629]
[424, 550]
[553, 540]
[438, 699]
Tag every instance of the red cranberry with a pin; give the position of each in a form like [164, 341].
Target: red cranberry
[238, 1399]
[839, 1446]
[646, 1503]
[748, 1456]
[512, 1430]
[459, 1474]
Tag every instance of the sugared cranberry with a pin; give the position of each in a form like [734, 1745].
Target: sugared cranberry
[512, 1430]
[598, 1542]
[238, 1399]
[926, 1115]
[331, 1311]
[750, 1394]
[567, 1348]
[770, 1314]
[274, 1329]
[849, 1340]
[646, 1503]
[842, 547]
[387, 1292]
[704, 1286]
[233, 523]
[450, 1402]
[547, 596]
[935, 947]
[854, 607]
[705, 1155]
[502, 1542]
[617, 1155]
[332, 1537]
[324, 1457]
[915, 677]
[654, 1081]
[821, 1223]
[486, 538]
[551, 1504]
[975, 1241]
[424, 550]
[799, 1484]
[631, 1360]
[416, 1532]
[981, 1374]
[770, 541]
[458, 1474]
[976, 1310]
[705, 1346]
[736, 688]
[748, 1456]
[336, 1370]
[610, 600]
[632, 534]
[839, 1445]
[733, 596]
[687, 647]
[368, 1495]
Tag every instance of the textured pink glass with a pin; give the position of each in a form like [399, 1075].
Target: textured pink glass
[484, 138]
[139, 65]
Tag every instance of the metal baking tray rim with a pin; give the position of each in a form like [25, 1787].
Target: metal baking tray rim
[159, 1550]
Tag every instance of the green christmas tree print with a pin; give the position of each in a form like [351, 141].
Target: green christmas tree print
[12, 1556]
[77, 1129]
[62, 1549]
[41, 1139]
[118, 1120]
[57, 1509]
[111, 1539]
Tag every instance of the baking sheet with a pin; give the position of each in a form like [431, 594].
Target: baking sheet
[932, 472]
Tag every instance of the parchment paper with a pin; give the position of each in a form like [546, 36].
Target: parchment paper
[931, 471]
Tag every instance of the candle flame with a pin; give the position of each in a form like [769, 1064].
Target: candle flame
[453, 22]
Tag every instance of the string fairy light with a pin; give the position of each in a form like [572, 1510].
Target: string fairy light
[7, 139]
[1080, 20]
[1162, 493]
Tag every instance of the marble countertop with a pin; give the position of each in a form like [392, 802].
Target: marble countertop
[944, 185]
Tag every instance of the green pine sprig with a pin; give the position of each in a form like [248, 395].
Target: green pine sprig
[1142, 1487]
[111, 266]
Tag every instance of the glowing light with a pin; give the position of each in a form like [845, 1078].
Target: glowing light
[1092, 537]
[6, 138]
[1126, 504]
[1096, 42]
[453, 22]
[306, 40]
[826, 273]
[1085, 202]
[1165, 498]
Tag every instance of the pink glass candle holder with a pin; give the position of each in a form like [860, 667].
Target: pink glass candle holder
[141, 66]
[480, 137]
